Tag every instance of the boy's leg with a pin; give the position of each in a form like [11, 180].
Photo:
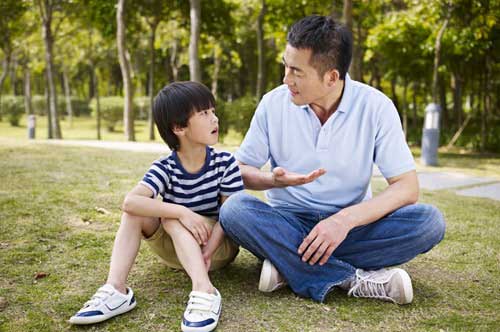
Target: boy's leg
[188, 252]
[126, 246]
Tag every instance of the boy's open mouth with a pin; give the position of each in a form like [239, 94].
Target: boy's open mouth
[215, 131]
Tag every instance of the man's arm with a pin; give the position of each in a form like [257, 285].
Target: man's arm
[255, 179]
[327, 235]
[139, 202]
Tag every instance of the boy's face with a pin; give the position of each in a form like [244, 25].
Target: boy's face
[202, 128]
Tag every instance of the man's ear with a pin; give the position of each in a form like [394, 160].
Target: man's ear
[332, 77]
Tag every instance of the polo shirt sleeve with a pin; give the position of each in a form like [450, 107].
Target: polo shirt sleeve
[254, 149]
[392, 154]
[231, 182]
[156, 178]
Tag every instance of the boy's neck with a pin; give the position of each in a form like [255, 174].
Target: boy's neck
[193, 157]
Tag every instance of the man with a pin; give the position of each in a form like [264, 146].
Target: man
[322, 132]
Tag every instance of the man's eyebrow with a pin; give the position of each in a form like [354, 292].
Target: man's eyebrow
[294, 68]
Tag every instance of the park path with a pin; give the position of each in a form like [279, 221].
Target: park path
[461, 184]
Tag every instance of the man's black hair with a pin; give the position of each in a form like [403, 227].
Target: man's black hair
[174, 105]
[329, 41]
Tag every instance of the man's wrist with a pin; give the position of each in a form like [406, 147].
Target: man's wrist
[344, 218]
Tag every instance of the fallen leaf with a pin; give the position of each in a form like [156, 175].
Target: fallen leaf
[4, 245]
[40, 275]
[102, 210]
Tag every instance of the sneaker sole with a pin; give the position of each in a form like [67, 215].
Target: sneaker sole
[265, 283]
[407, 286]
[101, 318]
[206, 328]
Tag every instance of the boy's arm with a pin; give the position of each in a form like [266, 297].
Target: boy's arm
[139, 202]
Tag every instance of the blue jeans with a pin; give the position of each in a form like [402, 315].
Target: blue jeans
[276, 234]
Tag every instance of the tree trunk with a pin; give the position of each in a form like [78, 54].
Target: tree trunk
[394, 94]
[414, 121]
[173, 60]
[260, 51]
[348, 21]
[50, 133]
[486, 105]
[152, 37]
[456, 85]
[194, 61]
[28, 105]
[46, 13]
[128, 112]
[67, 94]
[13, 77]
[3, 76]
[437, 55]
[217, 63]
[95, 84]
[404, 107]
[442, 102]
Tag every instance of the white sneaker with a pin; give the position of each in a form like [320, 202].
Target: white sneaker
[202, 312]
[389, 285]
[107, 302]
[270, 278]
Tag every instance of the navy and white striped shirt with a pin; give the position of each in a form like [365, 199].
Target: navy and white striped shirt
[200, 192]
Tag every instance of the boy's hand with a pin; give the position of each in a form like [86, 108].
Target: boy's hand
[197, 225]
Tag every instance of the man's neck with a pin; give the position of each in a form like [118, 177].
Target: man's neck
[328, 105]
[192, 158]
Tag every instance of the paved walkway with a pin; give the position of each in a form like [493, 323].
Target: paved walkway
[461, 184]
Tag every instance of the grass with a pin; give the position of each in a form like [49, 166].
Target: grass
[49, 222]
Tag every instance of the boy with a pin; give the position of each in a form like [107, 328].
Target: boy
[194, 180]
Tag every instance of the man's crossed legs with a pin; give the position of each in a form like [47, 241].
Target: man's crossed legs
[275, 234]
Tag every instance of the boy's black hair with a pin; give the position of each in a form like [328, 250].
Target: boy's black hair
[174, 105]
[329, 41]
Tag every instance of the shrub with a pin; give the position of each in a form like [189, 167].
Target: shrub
[238, 113]
[80, 106]
[13, 108]
[111, 110]
[141, 107]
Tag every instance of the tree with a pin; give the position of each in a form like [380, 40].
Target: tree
[194, 61]
[260, 51]
[128, 112]
[47, 9]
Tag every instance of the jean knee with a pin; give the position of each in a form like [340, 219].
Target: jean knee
[231, 211]
[435, 224]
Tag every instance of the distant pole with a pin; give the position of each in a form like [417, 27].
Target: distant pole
[430, 135]
[31, 126]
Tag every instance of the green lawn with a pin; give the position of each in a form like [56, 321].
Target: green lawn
[49, 223]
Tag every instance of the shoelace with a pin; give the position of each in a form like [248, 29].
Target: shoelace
[370, 289]
[98, 297]
[199, 303]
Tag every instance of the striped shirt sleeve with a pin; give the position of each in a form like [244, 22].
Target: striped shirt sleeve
[231, 182]
[156, 178]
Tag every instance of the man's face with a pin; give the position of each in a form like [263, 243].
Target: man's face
[303, 80]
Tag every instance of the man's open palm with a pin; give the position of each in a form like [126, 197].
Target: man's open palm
[283, 178]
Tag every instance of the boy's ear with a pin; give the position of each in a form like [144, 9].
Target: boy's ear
[179, 131]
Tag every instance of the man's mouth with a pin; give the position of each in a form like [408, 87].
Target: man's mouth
[293, 93]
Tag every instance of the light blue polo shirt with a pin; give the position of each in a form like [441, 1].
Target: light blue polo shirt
[365, 129]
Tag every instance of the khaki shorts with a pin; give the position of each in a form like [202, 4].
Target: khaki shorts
[162, 245]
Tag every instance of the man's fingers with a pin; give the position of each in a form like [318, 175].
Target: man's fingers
[319, 252]
[307, 240]
[327, 254]
[311, 249]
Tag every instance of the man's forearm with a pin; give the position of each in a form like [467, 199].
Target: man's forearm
[399, 193]
[255, 179]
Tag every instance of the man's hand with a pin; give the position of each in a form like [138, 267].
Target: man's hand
[324, 238]
[196, 224]
[283, 178]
